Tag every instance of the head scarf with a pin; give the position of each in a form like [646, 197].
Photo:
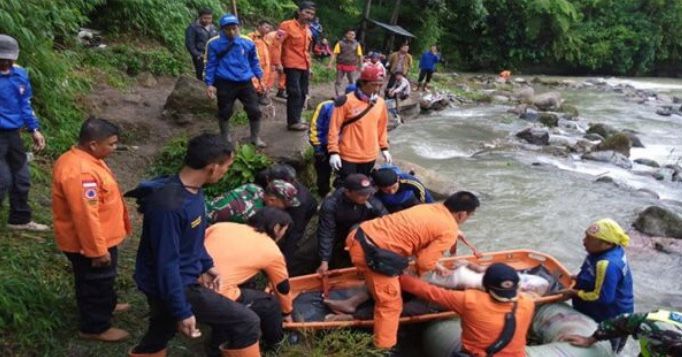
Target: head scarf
[609, 231]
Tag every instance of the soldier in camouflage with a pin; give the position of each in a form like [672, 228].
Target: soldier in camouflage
[659, 332]
[242, 202]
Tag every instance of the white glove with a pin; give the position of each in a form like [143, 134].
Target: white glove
[335, 162]
[387, 156]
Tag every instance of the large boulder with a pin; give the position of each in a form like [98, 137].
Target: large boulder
[604, 130]
[439, 186]
[619, 142]
[548, 101]
[612, 157]
[537, 136]
[660, 222]
[525, 94]
[189, 97]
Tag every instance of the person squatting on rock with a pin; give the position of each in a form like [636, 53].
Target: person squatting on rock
[296, 61]
[173, 268]
[232, 62]
[347, 56]
[398, 191]
[196, 37]
[348, 206]
[240, 252]
[380, 248]
[90, 222]
[317, 136]
[358, 129]
[16, 114]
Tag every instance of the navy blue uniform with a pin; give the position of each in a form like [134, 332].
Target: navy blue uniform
[411, 192]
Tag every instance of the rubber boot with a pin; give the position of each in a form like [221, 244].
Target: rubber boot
[254, 125]
[161, 353]
[225, 130]
[251, 351]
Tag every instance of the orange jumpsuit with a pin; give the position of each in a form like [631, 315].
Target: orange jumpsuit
[262, 48]
[274, 41]
[89, 213]
[482, 316]
[296, 45]
[360, 141]
[424, 231]
[239, 253]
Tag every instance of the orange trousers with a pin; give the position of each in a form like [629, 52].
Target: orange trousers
[388, 302]
[266, 80]
[281, 79]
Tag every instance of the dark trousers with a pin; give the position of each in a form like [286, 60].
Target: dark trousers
[348, 168]
[425, 73]
[95, 294]
[324, 173]
[199, 67]
[228, 93]
[297, 90]
[14, 176]
[268, 309]
[230, 322]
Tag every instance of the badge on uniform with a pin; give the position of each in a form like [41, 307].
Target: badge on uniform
[195, 223]
[90, 190]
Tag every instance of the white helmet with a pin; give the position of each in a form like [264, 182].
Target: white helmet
[9, 48]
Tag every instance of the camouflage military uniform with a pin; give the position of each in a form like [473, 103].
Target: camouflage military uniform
[237, 205]
[659, 332]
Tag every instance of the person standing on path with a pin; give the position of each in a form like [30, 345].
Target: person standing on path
[232, 62]
[296, 61]
[358, 128]
[263, 50]
[196, 36]
[399, 61]
[90, 222]
[16, 114]
[427, 65]
[347, 56]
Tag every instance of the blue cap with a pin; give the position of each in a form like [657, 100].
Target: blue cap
[228, 19]
[351, 88]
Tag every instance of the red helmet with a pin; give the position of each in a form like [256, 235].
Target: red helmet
[372, 74]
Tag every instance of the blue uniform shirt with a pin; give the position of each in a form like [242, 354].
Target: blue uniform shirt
[15, 101]
[604, 285]
[231, 60]
[428, 61]
[319, 126]
[410, 193]
[171, 255]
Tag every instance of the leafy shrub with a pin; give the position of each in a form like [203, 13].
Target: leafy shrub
[131, 60]
[247, 163]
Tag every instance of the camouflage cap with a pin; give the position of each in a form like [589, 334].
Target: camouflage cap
[284, 191]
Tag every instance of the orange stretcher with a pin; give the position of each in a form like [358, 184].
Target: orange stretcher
[522, 260]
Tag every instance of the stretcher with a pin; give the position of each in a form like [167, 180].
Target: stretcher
[307, 290]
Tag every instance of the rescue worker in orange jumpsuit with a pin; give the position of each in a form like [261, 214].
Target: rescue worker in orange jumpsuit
[274, 41]
[90, 221]
[240, 252]
[358, 128]
[426, 232]
[263, 50]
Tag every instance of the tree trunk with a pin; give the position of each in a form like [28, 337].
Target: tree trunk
[365, 18]
[234, 8]
[393, 21]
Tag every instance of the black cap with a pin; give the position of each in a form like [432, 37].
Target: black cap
[501, 281]
[358, 183]
[307, 5]
[282, 172]
[385, 177]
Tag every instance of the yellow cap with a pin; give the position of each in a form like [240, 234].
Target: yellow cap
[608, 230]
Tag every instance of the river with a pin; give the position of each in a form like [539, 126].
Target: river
[547, 206]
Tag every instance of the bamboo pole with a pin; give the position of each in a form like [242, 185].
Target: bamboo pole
[234, 8]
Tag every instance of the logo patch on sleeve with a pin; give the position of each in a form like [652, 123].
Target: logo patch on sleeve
[90, 190]
[196, 222]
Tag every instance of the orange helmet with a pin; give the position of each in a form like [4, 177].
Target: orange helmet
[371, 74]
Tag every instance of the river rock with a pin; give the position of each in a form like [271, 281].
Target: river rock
[664, 111]
[519, 109]
[561, 140]
[659, 221]
[593, 137]
[537, 136]
[548, 119]
[619, 142]
[605, 179]
[645, 192]
[647, 162]
[612, 157]
[530, 114]
[439, 186]
[189, 96]
[525, 94]
[604, 130]
[570, 110]
[635, 141]
[547, 101]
